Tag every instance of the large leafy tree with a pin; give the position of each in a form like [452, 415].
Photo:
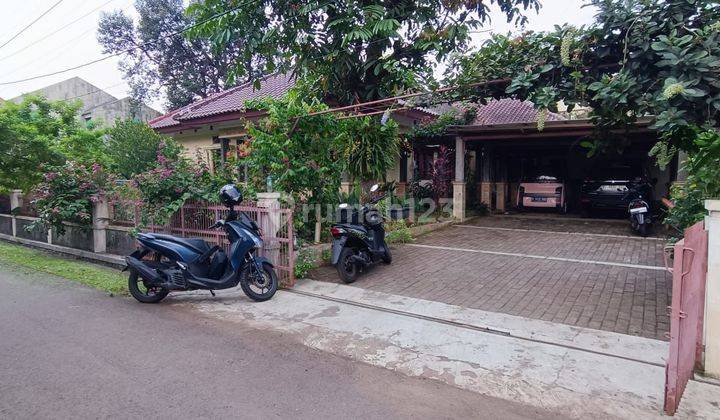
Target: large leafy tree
[133, 147]
[155, 56]
[37, 132]
[362, 50]
[639, 58]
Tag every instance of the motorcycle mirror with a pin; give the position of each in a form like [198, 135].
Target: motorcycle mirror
[343, 205]
[374, 188]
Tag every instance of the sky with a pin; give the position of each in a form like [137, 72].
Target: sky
[35, 53]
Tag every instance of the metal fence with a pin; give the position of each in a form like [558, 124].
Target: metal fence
[195, 218]
[690, 259]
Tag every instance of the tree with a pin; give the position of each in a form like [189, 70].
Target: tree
[155, 58]
[639, 58]
[132, 147]
[37, 132]
[362, 50]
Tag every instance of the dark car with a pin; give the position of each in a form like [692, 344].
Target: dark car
[607, 185]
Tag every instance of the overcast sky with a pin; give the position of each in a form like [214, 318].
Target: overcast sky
[30, 55]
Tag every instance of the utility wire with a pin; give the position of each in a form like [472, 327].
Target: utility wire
[56, 31]
[31, 23]
[89, 63]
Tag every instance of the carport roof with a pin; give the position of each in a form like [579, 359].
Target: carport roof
[560, 128]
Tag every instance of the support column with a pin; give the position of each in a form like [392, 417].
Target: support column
[345, 184]
[501, 196]
[501, 185]
[485, 179]
[459, 182]
[269, 222]
[16, 201]
[712, 291]
[100, 218]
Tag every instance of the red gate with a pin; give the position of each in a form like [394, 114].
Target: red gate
[686, 313]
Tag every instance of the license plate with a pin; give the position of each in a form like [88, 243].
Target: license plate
[639, 210]
[540, 199]
[613, 188]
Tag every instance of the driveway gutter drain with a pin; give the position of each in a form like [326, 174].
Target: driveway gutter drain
[488, 330]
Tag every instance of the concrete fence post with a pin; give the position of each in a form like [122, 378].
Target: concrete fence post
[269, 221]
[712, 291]
[16, 201]
[459, 180]
[100, 219]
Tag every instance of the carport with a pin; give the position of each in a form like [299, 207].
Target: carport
[492, 160]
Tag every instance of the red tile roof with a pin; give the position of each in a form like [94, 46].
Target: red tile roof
[510, 111]
[230, 100]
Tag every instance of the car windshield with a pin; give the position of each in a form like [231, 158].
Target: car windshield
[602, 172]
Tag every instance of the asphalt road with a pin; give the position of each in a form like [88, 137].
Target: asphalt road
[67, 351]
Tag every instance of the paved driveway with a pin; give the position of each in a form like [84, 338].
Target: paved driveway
[600, 278]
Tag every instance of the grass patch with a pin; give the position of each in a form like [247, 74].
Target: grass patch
[106, 279]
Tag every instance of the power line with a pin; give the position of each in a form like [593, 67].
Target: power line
[89, 63]
[57, 30]
[31, 23]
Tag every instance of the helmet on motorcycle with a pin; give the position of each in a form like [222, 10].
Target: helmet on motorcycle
[230, 195]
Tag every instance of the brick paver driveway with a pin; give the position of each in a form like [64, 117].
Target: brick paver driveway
[604, 279]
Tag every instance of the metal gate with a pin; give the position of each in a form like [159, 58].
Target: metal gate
[686, 313]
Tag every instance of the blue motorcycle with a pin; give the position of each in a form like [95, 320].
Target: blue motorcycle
[175, 263]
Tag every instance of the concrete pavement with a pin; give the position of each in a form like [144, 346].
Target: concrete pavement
[67, 351]
[582, 373]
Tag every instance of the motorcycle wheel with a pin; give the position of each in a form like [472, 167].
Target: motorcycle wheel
[259, 284]
[347, 269]
[643, 230]
[141, 292]
[387, 256]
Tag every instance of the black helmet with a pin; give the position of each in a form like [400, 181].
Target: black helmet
[230, 195]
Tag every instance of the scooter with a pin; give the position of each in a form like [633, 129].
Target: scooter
[357, 245]
[639, 211]
[192, 264]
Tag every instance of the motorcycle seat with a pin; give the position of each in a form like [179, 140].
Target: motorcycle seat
[352, 226]
[196, 244]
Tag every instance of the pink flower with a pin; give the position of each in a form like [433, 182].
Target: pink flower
[161, 159]
[166, 173]
[55, 210]
[96, 168]
[50, 176]
[94, 198]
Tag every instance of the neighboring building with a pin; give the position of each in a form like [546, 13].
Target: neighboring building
[98, 105]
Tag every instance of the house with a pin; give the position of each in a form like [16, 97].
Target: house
[491, 155]
[213, 126]
[98, 105]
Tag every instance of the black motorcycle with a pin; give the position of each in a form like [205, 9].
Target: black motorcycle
[359, 241]
[191, 263]
[639, 209]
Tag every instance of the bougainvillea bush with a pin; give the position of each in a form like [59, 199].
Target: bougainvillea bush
[67, 194]
[174, 180]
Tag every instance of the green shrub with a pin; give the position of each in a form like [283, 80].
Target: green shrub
[304, 262]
